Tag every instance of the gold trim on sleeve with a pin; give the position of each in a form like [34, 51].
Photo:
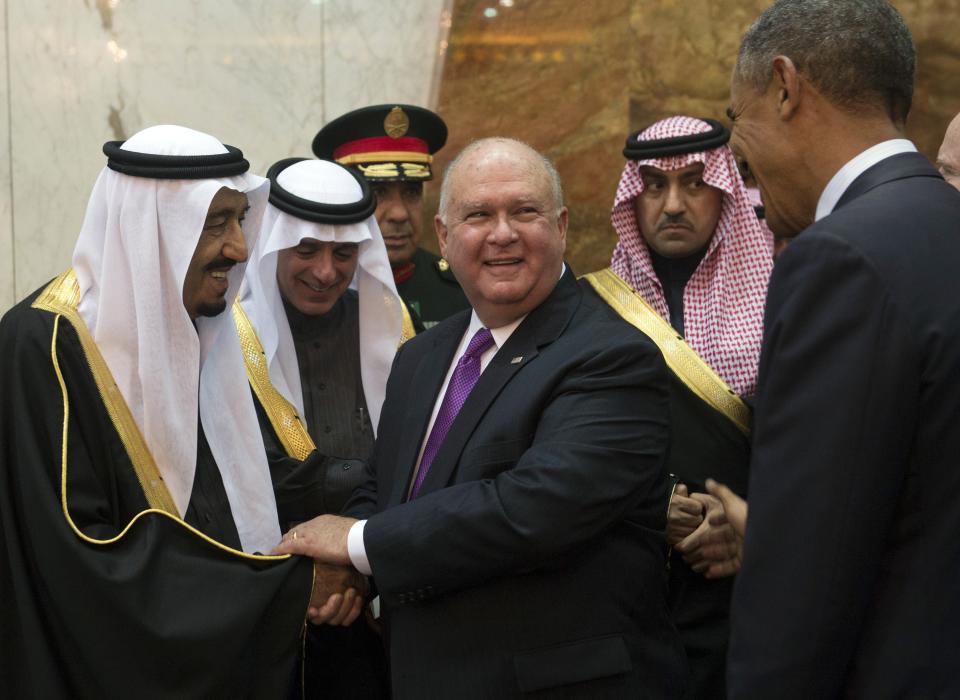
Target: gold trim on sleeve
[290, 430]
[682, 360]
[61, 297]
[64, 293]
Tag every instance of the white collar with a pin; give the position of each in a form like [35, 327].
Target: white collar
[855, 168]
[500, 335]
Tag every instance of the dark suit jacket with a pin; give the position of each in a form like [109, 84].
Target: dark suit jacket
[851, 576]
[533, 559]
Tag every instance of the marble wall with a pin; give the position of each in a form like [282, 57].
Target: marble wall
[261, 75]
[573, 79]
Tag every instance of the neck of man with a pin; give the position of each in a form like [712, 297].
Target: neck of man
[500, 315]
[840, 137]
[305, 326]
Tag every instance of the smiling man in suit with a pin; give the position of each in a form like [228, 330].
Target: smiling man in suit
[851, 560]
[513, 522]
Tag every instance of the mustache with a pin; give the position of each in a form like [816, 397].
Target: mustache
[679, 220]
[220, 263]
[396, 231]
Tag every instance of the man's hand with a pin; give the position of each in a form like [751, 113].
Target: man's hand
[734, 507]
[324, 538]
[716, 547]
[684, 515]
[338, 595]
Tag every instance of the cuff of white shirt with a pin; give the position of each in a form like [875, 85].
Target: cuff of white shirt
[356, 550]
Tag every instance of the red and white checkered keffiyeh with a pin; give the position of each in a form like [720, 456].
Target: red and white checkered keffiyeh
[724, 299]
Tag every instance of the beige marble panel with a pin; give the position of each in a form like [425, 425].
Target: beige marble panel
[248, 72]
[381, 51]
[6, 220]
[262, 75]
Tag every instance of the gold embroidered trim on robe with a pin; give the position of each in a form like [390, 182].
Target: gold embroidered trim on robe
[682, 360]
[406, 330]
[61, 297]
[290, 430]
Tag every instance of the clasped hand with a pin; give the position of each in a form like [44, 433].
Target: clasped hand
[707, 529]
[339, 590]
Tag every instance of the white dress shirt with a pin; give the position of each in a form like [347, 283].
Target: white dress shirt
[355, 546]
[855, 168]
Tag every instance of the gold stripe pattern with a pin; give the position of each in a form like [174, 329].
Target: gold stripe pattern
[406, 331]
[682, 360]
[408, 170]
[61, 297]
[63, 290]
[375, 156]
[293, 435]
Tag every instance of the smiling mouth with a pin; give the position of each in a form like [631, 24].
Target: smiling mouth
[315, 288]
[507, 261]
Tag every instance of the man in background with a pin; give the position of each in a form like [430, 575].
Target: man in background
[392, 146]
[319, 350]
[948, 159]
[692, 263]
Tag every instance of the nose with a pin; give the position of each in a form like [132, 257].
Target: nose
[322, 267]
[393, 208]
[502, 233]
[675, 202]
[235, 243]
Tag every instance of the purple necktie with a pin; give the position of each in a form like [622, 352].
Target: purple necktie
[464, 377]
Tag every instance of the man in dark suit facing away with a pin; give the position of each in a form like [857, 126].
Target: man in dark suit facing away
[514, 530]
[851, 563]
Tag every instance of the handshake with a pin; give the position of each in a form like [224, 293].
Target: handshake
[707, 529]
[339, 590]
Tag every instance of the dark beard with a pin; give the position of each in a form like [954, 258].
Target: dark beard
[212, 309]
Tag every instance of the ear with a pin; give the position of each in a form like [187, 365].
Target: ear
[563, 219]
[441, 229]
[788, 86]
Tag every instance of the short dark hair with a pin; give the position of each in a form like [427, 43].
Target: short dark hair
[857, 53]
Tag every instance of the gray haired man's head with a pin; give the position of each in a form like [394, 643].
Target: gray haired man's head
[857, 53]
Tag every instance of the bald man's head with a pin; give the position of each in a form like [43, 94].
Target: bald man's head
[502, 227]
[948, 159]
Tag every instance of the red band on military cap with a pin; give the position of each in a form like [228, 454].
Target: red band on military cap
[408, 144]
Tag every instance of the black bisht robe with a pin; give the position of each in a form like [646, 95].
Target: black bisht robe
[116, 602]
[704, 443]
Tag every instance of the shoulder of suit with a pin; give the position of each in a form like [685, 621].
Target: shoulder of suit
[425, 339]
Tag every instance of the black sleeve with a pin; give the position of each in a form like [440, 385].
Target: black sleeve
[834, 419]
[101, 597]
[363, 502]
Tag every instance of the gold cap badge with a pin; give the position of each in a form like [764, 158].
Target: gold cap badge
[396, 123]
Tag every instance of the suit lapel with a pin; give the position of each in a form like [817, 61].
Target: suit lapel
[898, 167]
[542, 326]
[426, 383]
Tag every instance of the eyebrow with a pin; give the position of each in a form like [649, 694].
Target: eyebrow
[226, 211]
